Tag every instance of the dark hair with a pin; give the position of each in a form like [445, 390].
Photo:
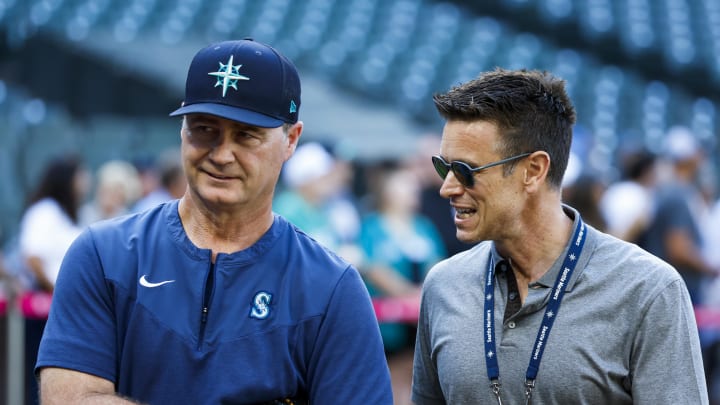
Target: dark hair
[57, 182]
[638, 164]
[531, 109]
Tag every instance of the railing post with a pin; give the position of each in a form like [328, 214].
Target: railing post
[15, 349]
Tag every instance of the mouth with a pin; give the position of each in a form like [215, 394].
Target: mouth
[220, 177]
[464, 213]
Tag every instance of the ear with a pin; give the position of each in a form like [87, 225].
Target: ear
[536, 167]
[292, 138]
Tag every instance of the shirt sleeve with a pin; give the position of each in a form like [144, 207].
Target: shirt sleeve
[348, 363]
[426, 388]
[81, 333]
[46, 233]
[667, 367]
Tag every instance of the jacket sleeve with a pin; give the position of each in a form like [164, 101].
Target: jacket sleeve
[348, 363]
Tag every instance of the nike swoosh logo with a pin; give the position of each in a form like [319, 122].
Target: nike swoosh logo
[145, 283]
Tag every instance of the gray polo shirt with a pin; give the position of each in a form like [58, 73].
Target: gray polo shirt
[625, 332]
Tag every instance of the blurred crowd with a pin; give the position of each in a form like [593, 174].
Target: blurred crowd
[387, 218]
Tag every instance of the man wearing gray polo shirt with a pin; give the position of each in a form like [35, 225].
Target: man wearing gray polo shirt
[545, 309]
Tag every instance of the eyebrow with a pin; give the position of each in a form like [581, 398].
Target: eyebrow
[467, 162]
[210, 119]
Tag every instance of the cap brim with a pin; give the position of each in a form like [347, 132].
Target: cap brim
[231, 113]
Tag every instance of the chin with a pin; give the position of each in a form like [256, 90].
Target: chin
[218, 198]
[467, 237]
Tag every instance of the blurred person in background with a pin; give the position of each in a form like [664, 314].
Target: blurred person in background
[171, 183]
[674, 233]
[582, 188]
[710, 334]
[627, 205]
[712, 234]
[400, 246]
[315, 199]
[491, 328]
[148, 174]
[50, 222]
[343, 206]
[584, 194]
[213, 298]
[48, 227]
[116, 190]
[709, 182]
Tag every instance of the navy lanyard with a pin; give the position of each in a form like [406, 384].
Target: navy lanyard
[558, 291]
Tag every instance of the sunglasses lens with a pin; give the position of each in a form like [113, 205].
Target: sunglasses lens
[463, 173]
[441, 167]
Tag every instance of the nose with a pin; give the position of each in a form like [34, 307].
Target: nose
[222, 152]
[451, 187]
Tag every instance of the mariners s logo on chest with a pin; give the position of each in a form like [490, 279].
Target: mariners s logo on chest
[260, 306]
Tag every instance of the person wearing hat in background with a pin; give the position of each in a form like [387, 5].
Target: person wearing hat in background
[314, 199]
[213, 298]
[311, 183]
[675, 233]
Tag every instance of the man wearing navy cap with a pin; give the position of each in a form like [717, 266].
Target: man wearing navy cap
[212, 298]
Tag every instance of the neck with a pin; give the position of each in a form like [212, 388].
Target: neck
[222, 231]
[542, 237]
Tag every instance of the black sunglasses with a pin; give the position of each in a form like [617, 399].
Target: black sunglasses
[463, 172]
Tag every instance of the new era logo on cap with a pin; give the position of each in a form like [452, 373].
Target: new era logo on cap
[243, 81]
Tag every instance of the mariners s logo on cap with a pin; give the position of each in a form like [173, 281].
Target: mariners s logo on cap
[228, 75]
[244, 81]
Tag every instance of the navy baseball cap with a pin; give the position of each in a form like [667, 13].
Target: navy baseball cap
[244, 81]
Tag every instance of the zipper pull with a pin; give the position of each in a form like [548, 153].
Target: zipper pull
[205, 311]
